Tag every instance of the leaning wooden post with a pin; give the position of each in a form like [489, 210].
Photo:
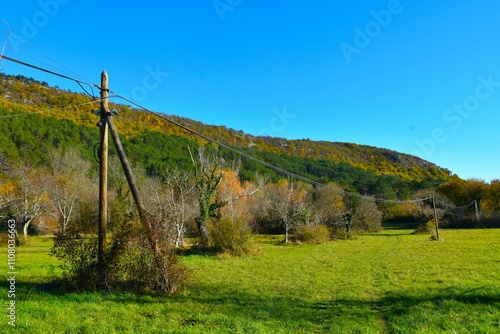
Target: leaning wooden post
[103, 179]
[135, 192]
[435, 216]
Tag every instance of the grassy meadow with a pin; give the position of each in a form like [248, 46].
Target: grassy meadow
[390, 282]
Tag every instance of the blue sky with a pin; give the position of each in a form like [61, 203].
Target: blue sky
[419, 77]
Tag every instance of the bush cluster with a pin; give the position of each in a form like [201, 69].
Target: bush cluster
[231, 236]
[314, 234]
[130, 263]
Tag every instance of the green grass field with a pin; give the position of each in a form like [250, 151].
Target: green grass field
[391, 282]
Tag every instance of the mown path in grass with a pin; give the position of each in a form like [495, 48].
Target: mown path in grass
[391, 282]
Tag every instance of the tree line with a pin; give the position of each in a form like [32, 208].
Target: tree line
[63, 192]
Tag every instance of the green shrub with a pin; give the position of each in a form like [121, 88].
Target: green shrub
[136, 268]
[338, 232]
[312, 234]
[79, 256]
[424, 227]
[130, 262]
[231, 236]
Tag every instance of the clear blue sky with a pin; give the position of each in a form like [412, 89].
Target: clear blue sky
[420, 77]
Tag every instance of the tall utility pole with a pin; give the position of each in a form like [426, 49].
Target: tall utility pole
[103, 178]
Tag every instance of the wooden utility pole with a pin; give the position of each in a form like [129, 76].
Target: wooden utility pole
[103, 178]
[435, 216]
[106, 123]
[477, 212]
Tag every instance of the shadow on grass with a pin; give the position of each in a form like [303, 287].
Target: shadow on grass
[399, 225]
[290, 310]
[386, 234]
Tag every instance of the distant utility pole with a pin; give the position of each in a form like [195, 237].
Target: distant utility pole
[103, 178]
[435, 215]
[477, 212]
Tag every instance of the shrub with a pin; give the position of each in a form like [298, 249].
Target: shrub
[312, 234]
[338, 232]
[130, 262]
[424, 227]
[136, 267]
[79, 256]
[231, 236]
[368, 218]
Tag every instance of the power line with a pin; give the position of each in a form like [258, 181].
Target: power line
[49, 109]
[48, 71]
[79, 84]
[11, 36]
[458, 207]
[262, 162]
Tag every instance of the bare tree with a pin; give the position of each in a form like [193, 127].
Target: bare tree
[172, 203]
[287, 202]
[180, 191]
[368, 217]
[69, 173]
[6, 198]
[29, 198]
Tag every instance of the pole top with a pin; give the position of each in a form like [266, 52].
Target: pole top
[104, 81]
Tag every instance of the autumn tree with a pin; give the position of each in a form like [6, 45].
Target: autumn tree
[6, 198]
[232, 230]
[327, 204]
[463, 192]
[237, 195]
[491, 201]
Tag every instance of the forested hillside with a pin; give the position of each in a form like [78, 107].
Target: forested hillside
[219, 195]
[36, 117]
